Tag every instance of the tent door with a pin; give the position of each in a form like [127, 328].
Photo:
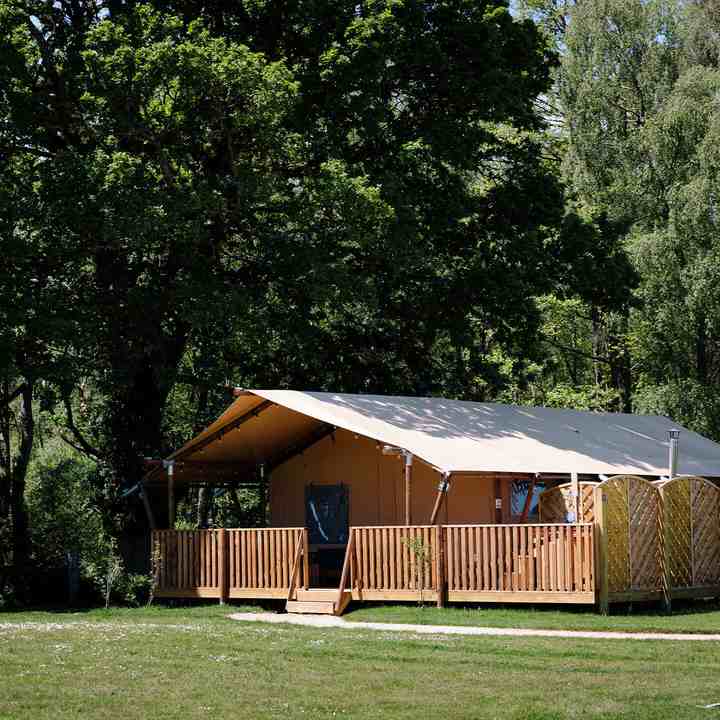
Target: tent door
[327, 521]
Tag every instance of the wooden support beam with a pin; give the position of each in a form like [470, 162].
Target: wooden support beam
[349, 550]
[575, 492]
[408, 487]
[601, 551]
[223, 564]
[217, 434]
[263, 487]
[225, 429]
[498, 502]
[299, 550]
[170, 470]
[148, 507]
[443, 488]
[528, 499]
[298, 448]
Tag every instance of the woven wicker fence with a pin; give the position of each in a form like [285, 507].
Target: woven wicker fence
[628, 513]
[557, 504]
[657, 540]
[691, 509]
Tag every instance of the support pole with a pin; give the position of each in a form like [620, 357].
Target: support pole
[169, 466]
[601, 551]
[673, 441]
[408, 486]
[148, 508]
[498, 502]
[443, 488]
[263, 495]
[223, 564]
[529, 498]
[575, 491]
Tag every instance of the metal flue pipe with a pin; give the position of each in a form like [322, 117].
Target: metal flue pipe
[673, 440]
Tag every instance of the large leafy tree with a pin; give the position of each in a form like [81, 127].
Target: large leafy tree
[435, 105]
[313, 194]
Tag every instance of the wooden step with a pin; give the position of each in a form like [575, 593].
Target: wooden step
[314, 607]
[316, 594]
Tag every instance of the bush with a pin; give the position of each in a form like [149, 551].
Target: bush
[65, 525]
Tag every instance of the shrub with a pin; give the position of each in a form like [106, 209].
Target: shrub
[66, 524]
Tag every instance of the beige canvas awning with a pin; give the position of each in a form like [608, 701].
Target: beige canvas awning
[263, 426]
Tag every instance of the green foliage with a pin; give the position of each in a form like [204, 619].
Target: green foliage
[277, 194]
[640, 83]
[65, 520]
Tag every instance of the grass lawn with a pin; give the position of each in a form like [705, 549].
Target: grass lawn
[691, 617]
[195, 663]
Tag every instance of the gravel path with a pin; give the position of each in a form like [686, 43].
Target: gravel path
[331, 621]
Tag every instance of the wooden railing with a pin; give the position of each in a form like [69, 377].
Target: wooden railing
[189, 563]
[261, 561]
[247, 563]
[475, 563]
[396, 562]
[506, 563]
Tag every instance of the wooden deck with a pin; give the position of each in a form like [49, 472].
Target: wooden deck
[429, 563]
[646, 541]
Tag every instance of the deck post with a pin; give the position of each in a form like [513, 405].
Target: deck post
[408, 486]
[665, 578]
[443, 488]
[223, 564]
[169, 466]
[440, 569]
[601, 551]
[306, 559]
[263, 487]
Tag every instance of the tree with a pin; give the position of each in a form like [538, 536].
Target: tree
[346, 197]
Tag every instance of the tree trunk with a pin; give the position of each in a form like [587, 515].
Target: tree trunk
[202, 507]
[597, 349]
[18, 510]
[620, 368]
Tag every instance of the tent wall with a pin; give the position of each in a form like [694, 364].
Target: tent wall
[376, 486]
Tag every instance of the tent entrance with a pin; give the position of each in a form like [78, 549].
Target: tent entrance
[327, 521]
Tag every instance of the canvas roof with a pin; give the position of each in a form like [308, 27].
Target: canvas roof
[456, 436]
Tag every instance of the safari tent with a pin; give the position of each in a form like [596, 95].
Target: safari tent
[396, 498]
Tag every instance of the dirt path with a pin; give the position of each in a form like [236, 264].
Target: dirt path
[331, 621]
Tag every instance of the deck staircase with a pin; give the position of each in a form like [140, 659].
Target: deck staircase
[319, 601]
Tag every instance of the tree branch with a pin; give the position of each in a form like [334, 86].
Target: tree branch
[16, 393]
[567, 348]
[82, 444]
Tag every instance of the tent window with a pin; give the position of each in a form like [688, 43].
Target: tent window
[519, 490]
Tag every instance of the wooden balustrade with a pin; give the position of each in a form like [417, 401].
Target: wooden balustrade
[482, 563]
[261, 561]
[188, 563]
[520, 563]
[394, 563]
[247, 563]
